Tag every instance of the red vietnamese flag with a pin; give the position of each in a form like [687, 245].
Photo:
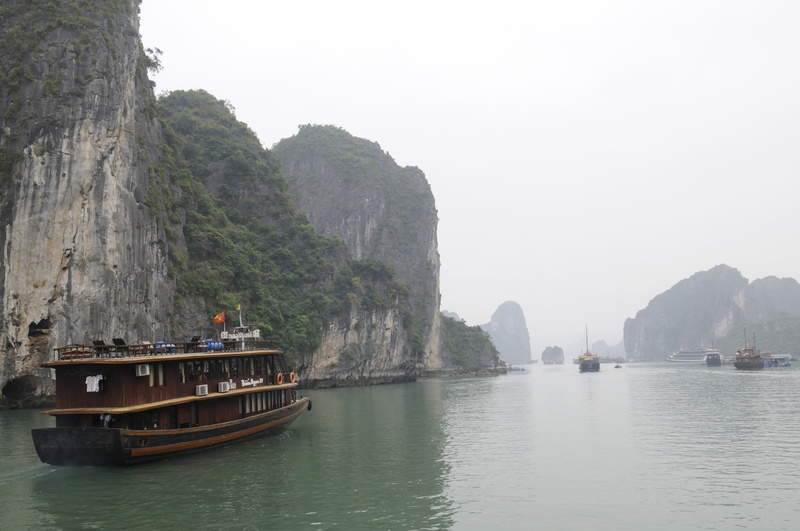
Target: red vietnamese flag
[219, 318]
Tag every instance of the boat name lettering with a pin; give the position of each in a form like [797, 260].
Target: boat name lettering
[252, 382]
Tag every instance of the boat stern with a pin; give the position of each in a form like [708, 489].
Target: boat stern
[79, 446]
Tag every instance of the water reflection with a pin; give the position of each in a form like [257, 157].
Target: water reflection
[647, 446]
[363, 458]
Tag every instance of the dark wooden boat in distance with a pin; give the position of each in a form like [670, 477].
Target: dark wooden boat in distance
[588, 362]
[125, 404]
[713, 359]
[748, 358]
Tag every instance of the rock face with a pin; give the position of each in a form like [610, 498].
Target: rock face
[350, 188]
[369, 347]
[553, 356]
[713, 306]
[95, 232]
[509, 332]
[77, 140]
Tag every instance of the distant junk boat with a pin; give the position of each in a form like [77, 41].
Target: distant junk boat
[588, 362]
[748, 358]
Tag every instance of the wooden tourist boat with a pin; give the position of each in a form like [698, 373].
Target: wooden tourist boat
[126, 404]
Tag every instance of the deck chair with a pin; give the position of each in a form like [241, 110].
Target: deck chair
[120, 347]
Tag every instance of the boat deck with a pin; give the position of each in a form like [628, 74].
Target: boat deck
[143, 351]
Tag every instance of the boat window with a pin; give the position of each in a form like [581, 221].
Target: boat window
[234, 367]
[246, 367]
[152, 377]
[226, 371]
[260, 365]
[160, 374]
[182, 372]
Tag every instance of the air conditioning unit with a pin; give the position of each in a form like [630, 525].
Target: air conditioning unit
[224, 387]
[143, 370]
[201, 390]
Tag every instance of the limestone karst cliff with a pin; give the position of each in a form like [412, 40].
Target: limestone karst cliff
[553, 356]
[130, 217]
[716, 307]
[350, 188]
[509, 333]
[78, 137]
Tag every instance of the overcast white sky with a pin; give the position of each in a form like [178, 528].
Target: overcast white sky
[585, 156]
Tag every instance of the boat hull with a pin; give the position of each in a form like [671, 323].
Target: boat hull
[749, 365]
[589, 366]
[76, 446]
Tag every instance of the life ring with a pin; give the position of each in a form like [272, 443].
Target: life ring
[292, 377]
[280, 378]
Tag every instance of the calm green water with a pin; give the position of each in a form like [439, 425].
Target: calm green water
[649, 446]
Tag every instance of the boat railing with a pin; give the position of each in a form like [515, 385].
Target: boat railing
[162, 348]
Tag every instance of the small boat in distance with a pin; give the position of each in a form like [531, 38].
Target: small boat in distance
[713, 359]
[124, 404]
[689, 355]
[776, 360]
[588, 362]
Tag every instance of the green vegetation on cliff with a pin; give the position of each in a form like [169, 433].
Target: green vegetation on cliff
[350, 188]
[467, 347]
[246, 243]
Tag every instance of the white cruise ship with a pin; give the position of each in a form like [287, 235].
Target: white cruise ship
[697, 354]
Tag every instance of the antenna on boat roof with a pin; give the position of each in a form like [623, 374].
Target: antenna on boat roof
[239, 308]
